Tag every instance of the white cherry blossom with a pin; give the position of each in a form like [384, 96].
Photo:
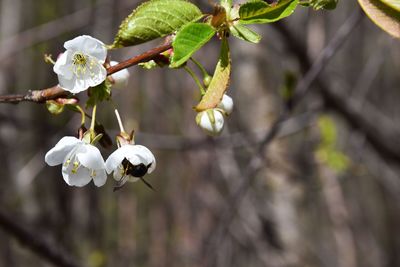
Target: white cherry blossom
[226, 104]
[81, 162]
[120, 78]
[130, 163]
[81, 65]
[211, 121]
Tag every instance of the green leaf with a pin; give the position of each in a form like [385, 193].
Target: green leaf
[99, 93]
[154, 19]
[327, 152]
[328, 131]
[258, 11]
[387, 17]
[244, 33]
[318, 4]
[54, 107]
[188, 40]
[334, 159]
[220, 81]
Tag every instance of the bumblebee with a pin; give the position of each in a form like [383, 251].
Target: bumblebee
[134, 170]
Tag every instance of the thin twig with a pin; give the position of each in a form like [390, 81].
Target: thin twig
[41, 96]
[146, 56]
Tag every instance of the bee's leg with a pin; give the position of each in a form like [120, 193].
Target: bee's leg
[118, 186]
[147, 183]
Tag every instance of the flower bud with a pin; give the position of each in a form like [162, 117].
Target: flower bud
[207, 81]
[211, 121]
[120, 78]
[226, 104]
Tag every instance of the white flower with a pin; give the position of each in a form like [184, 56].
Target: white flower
[226, 104]
[130, 163]
[120, 78]
[81, 162]
[211, 121]
[81, 65]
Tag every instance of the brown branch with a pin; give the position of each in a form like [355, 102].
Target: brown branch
[41, 96]
[38, 245]
[146, 56]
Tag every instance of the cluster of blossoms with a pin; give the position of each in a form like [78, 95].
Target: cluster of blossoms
[212, 120]
[80, 67]
[82, 161]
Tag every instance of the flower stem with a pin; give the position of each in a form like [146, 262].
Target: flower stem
[201, 67]
[83, 114]
[93, 122]
[121, 126]
[196, 80]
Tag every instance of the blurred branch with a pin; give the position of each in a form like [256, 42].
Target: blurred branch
[40, 96]
[291, 126]
[257, 161]
[339, 216]
[39, 246]
[375, 131]
[50, 30]
[44, 32]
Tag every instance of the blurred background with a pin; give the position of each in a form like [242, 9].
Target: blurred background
[325, 191]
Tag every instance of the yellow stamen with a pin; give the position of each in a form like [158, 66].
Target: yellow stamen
[80, 61]
[76, 167]
[67, 162]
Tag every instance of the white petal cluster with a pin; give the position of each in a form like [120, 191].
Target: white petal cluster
[120, 78]
[81, 162]
[226, 104]
[211, 121]
[130, 163]
[81, 65]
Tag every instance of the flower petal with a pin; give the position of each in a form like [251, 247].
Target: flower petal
[115, 159]
[72, 85]
[100, 178]
[117, 174]
[75, 44]
[56, 155]
[134, 159]
[145, 153]
[135, 154]
[95, 48]
[120, 78]
[61, 63]
[89, 46]
[152, 167]
[90, 157]
[96, 74]
[205, 122]
[226, 104]
[80, 178]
